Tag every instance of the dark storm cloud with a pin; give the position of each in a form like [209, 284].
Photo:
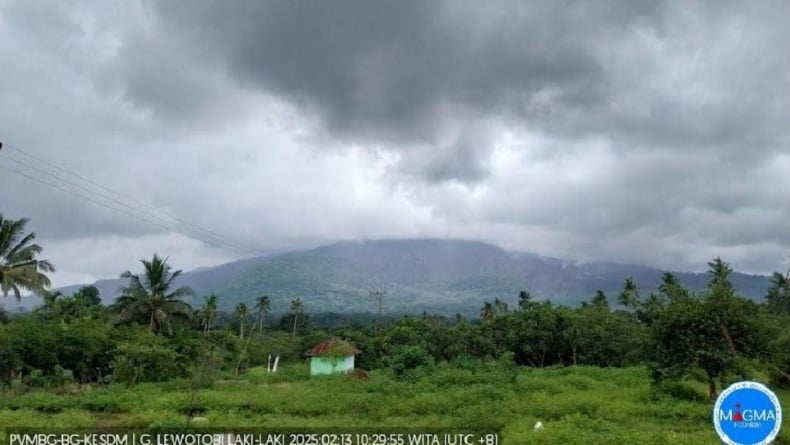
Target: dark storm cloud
[649, 131]
[394, 72]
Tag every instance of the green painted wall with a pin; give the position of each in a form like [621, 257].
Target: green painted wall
[331, 365]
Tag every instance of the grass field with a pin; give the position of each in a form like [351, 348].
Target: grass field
[578, 405]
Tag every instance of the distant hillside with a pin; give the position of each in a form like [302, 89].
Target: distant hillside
[446, 276]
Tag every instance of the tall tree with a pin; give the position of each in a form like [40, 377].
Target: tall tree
[151, 299]
[500, 307]
[525, 301]
[297, 309]
[19, 268]
[778, 298]
[721, 295]
[719, 272]
[629, 297]
[89, 295]
[671, 288]
[84, 304]
[262, 306]
[600, 300]
[208, 312]
[650, 309]
[487, 311]
[713, 333]
[242, 312]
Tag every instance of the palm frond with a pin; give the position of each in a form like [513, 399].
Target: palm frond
[182, 291]
[22, 245]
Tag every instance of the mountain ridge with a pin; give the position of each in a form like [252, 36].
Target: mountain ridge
[445, 276]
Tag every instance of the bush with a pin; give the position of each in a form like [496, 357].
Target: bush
[149, 359]
[408, 360]
[468, 363]
[676, 390]
[224, 347]
[86, 350]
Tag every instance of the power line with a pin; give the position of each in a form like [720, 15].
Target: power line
[81, 191]
[71, 192]
[79, 187]
[131, 211]
[193, 226]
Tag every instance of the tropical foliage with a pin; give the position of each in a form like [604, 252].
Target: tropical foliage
[151, 299]
[207, 314]
[675, 347]
[297, 309]
[20, 270]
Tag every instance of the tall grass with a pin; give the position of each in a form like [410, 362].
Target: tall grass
[578, 405]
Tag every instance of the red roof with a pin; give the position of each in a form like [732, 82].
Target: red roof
[333, 345]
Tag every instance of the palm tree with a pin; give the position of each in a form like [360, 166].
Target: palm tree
[208, 312]
[600, 300]
[150, 299]
[671, 287]
[297, 308]
[242, 312]
[19, 268]
[525, 302]
[487, 312]
[262, 305]
[500, 307]
[629, 297]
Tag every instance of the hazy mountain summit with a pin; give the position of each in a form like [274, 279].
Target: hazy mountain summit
[434, 275]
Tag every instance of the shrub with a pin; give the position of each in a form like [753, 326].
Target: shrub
[151, 361]
[676, 390]
[408, 360]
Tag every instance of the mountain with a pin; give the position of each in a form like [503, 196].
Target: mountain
[444, 276]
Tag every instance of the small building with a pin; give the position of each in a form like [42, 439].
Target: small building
[332, 357]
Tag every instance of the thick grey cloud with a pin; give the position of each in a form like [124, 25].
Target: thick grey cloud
[401, 73]
[646, 74]
[651, 131]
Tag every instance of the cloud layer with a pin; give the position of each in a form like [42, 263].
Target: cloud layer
[654, 132]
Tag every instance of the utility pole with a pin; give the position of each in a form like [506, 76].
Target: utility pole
[380, 296]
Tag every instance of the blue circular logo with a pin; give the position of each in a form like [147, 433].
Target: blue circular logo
[747, 413]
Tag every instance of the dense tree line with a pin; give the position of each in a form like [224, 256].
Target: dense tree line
[151, 334]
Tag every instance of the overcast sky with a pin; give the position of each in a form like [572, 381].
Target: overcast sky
[628, 131]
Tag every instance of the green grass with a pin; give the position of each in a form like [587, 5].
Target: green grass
[579, 405]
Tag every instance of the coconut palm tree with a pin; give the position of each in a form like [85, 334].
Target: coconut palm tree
[629, 297]
[208, 312]
[19, 268]
[262, 305]
[487, 312]
[242, 312]
[600, 300]
[150, 299]
[671, 287]
[525, 302]
[500, 307]
[297, 309]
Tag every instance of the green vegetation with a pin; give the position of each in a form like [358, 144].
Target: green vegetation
[644, 372]
[19, 268]
[434, 276]
[579, 405]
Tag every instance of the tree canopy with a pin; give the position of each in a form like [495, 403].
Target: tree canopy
[20, 269]
[150, 299]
